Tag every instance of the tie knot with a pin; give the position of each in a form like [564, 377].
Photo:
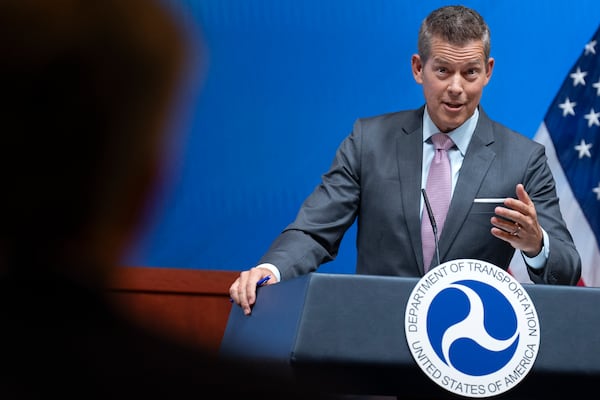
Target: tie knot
[441, 141]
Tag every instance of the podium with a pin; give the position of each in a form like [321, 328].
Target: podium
[346, 333]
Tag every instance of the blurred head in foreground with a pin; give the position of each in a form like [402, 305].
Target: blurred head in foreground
[86, 93]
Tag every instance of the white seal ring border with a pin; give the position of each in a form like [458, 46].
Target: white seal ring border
[472, 328]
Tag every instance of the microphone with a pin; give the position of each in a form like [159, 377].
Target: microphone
[433, 225]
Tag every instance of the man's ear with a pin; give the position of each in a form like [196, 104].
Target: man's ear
[417, 68]
[489, 69]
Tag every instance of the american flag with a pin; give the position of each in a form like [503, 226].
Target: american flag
[570, 132]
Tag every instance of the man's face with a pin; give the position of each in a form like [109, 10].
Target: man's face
[453, 80]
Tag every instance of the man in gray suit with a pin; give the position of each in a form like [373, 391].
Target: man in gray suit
[379, 169]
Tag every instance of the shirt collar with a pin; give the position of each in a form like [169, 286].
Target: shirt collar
[461, 136]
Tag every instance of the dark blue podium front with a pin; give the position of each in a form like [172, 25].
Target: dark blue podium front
[346, 332]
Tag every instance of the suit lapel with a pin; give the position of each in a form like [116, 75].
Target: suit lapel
[476, 164]
[408, 140]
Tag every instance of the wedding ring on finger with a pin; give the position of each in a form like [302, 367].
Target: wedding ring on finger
[517, 229]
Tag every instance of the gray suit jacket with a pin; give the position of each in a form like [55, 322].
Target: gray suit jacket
[375, 177]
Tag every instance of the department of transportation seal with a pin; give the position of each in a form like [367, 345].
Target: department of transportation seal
[472, 328]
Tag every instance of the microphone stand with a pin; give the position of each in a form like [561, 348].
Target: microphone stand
[433, 226]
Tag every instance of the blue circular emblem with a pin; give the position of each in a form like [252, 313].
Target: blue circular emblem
[472, 328]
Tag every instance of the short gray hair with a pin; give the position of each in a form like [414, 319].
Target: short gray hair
[457, 25]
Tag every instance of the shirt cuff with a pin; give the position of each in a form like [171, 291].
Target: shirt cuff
[539, 261]
[271, 268]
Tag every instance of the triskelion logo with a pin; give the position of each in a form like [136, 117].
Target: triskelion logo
[472, 328]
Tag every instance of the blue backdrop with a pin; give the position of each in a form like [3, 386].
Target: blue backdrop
[283, 81]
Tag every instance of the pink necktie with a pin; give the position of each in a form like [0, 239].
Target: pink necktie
[439, 192]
